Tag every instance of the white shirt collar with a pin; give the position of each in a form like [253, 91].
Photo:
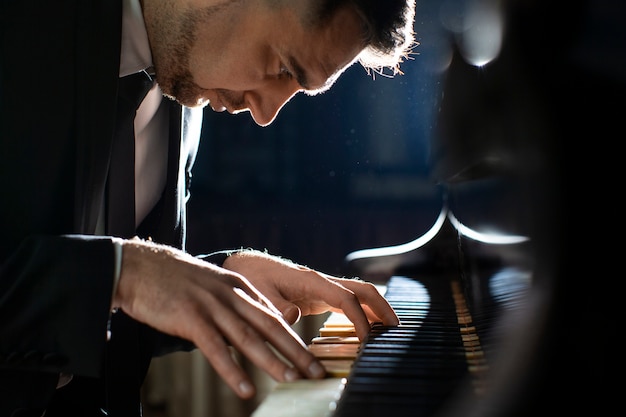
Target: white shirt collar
[135, 53]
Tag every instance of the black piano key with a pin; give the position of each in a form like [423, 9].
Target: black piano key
[401, 386]
[425, 371]
[410, 369]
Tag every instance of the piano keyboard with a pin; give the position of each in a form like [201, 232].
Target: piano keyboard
[410, 369]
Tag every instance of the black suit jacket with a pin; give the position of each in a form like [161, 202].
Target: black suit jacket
[59, 67]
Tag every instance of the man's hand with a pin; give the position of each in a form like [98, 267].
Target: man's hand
[297, 290]
[212, 307]
[250, 304]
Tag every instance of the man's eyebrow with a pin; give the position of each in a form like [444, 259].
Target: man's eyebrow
[301, 77]
[299, 73]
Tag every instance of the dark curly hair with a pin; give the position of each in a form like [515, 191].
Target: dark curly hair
[387, 28]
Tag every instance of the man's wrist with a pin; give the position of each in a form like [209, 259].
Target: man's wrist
[117, 264]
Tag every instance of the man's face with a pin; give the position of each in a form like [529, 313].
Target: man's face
[242, 55]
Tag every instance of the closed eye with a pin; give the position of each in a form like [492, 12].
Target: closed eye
[292, 70]
[285, 73]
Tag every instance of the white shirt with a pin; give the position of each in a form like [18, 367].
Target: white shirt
[151, 122]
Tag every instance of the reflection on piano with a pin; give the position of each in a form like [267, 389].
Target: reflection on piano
[443, 351]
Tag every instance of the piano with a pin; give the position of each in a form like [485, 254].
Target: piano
[451, 294]
[506, 303]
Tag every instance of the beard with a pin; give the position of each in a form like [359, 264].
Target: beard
[172, 35]
[179, 86]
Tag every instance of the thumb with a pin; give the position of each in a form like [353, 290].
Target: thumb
[291, 312]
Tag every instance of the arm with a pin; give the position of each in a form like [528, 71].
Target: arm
[55, 297]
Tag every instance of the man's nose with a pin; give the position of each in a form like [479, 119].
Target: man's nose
[265, 104]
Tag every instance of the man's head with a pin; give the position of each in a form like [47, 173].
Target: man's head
[254, 55]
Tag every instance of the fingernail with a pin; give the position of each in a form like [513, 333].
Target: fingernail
[316, 370]
[292, 314]
[291, 375]
[246, 389]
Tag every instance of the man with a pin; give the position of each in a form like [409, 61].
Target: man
[93, 285]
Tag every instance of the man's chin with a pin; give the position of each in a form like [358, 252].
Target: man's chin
[198, 102]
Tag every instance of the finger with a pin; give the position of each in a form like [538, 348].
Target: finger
[291, 313]
[355, 313]
[262, 325]
[212, 345]
[378, 308]
[248, 342]
[317, 293]
[241, 283]
[345, 300]
[360, 301]
[211, 336]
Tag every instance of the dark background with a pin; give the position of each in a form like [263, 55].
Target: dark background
[337, 172]
[353, 168]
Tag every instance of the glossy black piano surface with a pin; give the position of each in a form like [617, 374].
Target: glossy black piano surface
[455, 309]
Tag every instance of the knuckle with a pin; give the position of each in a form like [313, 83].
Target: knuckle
[247, 336]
